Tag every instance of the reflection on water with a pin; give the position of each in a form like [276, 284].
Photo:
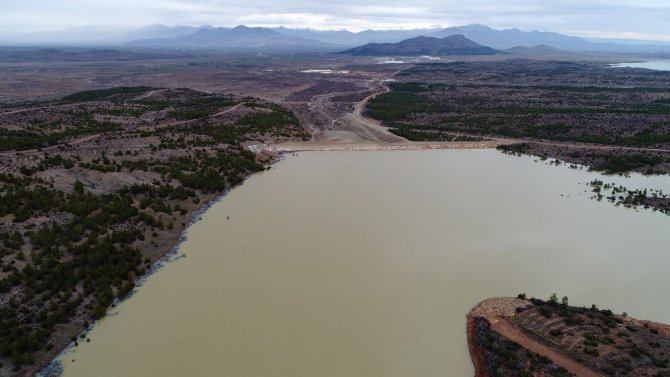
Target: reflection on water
[658, 65]
[365, 264]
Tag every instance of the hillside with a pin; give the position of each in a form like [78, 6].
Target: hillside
[519, 337]
[100, 191]
[545, 52]
[452, 45]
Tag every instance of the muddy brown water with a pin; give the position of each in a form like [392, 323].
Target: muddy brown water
[366, 263]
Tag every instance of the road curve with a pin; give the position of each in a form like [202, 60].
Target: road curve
[499, 312]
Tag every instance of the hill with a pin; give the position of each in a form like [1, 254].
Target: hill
[518, 337]
[108, 198]
[452, 45]
[545, 52]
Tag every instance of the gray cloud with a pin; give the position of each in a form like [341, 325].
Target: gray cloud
[642, 18]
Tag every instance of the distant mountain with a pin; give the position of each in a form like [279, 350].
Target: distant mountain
[350, 39]
[451, 45]
[508, 38]
[281, 38]
[498, 39]
[92, 35]
[161, 31]
[240, 38]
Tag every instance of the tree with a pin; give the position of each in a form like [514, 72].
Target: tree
[553, 299]
[79, 187]
[564, 300]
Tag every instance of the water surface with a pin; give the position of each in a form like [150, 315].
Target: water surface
[365, 264]
[658, 65]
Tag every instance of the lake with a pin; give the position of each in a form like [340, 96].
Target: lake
[658, 65]
[366, 263]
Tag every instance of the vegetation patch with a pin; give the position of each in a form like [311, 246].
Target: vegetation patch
[572, 103]
[612, 344]
[81, 221]
[622, 196]
[505, 358]
[96, 95]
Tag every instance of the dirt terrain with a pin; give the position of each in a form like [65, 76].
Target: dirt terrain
[98, 185]
[328, 93]
[611, 119]
[353, 131]
[513, 336]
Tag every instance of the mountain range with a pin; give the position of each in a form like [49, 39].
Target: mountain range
[240, 38]
[281, 38]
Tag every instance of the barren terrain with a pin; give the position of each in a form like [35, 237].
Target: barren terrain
[611, 119]
[513, 336]
[97, 186]
[104, 158]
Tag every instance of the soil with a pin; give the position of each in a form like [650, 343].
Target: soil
[584, 342]
[329, 107]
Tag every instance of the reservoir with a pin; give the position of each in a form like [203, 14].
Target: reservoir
[364, 264]
[658, 65]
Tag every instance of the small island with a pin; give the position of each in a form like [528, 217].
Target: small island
[531, 337]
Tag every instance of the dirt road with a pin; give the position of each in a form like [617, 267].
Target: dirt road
[367, 128]
[336, 127]
[499, 312]
[356, 132]
[150, 93]
[188, 121]
[336, 147]
[229, 110]
[22, 110]
[88, 138]
[73, 142]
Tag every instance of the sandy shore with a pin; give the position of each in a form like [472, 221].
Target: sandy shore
[335, 147]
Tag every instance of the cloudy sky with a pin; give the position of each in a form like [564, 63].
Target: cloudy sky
[644, 19]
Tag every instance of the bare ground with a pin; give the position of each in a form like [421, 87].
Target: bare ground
[584, 342]
[500, 312]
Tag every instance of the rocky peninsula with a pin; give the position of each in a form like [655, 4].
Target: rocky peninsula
[532, 337]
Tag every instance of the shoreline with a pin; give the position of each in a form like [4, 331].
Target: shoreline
[408, 146]
[475, 347]
[547, 335]
[53, 367]
[497, 315]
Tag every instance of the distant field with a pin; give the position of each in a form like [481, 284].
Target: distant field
[566, 102]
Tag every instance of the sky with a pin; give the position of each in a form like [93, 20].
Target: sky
[638, 19]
